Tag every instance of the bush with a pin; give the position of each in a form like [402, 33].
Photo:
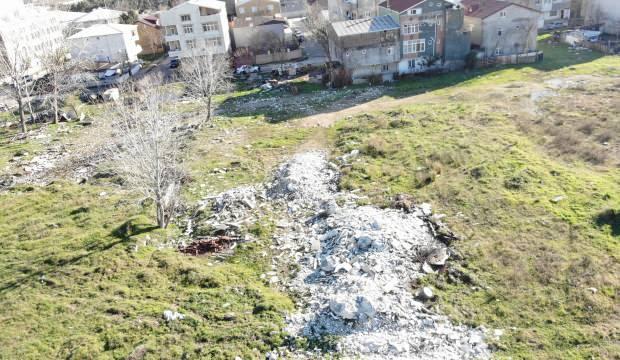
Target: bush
[377, 147]
[471, 60]
[375, 79]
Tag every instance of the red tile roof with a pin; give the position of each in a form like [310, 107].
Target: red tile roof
[485, 8]
[400, 5]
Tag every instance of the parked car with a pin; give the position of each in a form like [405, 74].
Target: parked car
[555, 25]
[247, 69]
[174, 63]
[298, 35]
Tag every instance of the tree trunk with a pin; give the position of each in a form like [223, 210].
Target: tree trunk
[162, 222]
[55, 109]
[208, 108]
[22, 118]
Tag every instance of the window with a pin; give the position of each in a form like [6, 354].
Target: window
[188, 29]
[389, 50]
[411, 64]
[500, 31]
[415, 11]
[348, 53]
[364, 52]
[411, 29]
[553, 13]
[498, 51]
[186, 18]
[414, 46]
[502, 13]
[214, 42]
[191, 44]
[241, 10]
[209, 27]
[174, 45]
[270, 7]
[385, 68]
[254, 9]
[366, 14]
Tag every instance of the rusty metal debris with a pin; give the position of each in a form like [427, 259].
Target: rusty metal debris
[209, 244]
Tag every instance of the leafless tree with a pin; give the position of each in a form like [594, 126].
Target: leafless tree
[318, 26]
[205, 75]
[63, 76]
[14, 67]
[147, 154]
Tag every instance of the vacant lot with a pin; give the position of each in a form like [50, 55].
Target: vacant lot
[85, 274]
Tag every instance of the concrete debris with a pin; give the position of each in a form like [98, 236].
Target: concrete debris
[438, 256]
[355, 265]
[424, 293]
[170, 315]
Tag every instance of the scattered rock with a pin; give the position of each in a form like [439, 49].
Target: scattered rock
[557, 199]
[438, 256]
[170, 315]
[424, 293]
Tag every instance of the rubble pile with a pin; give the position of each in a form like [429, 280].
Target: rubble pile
[355, 266]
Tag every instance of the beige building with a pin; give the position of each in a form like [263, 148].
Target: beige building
[366, 47]
[340, 10]
[150, 35]
[501, 27]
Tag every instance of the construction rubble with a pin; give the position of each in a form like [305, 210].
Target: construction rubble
[355, 266]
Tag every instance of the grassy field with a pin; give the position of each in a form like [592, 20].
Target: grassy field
[85, 275]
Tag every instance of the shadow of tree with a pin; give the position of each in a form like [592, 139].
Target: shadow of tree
[609, 217]
[47, 265]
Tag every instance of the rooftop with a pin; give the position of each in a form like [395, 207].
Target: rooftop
[362, 26]
[400, 5]
[103, 30]
[100, 14]
[211, 4]
[485, 8]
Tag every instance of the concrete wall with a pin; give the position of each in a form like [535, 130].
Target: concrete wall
[151, 39]
[257, 37]
[107, 48]
[172, 17]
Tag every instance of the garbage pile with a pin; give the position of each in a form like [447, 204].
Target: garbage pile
[357, 266]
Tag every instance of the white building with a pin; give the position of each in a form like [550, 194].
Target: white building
[30, 32]
[191, 27]
[98, 16]
[605, 13]
[106, 43]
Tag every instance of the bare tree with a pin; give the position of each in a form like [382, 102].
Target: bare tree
[148, 150]
[14, 67]
[318, 26]
[205, 75]
[62, 77]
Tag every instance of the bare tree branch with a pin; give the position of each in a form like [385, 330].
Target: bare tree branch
[14, 69]
[318, 25]
[148, 150]
[206, 75]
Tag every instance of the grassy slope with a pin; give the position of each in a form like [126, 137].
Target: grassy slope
[532, 260]
[73, 285]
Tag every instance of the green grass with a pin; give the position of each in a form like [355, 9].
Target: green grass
[531, 260]
[82, 278]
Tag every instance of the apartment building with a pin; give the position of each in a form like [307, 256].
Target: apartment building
[193, 26]
[98, 16]
[252, 8]
[27, 33]
[605, 13]
[432, 33]
[366, 47]
[501, 27]
[553, 12]
[108, 43]
[340, 10]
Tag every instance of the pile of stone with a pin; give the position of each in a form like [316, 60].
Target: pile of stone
[357, 265]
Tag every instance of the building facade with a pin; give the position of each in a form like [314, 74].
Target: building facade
[293, 8]
[109, 43]
[98, 16]
[340, 10]
[193, 26]
[553, 12]
[252, 8]
[150, 37]
[366, 47]
[431, 33]
[27, 33]
[501, 28]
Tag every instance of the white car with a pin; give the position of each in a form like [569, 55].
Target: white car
[246, 69]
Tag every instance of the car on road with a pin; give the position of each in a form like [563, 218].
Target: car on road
[174, 63]
[247, 69]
